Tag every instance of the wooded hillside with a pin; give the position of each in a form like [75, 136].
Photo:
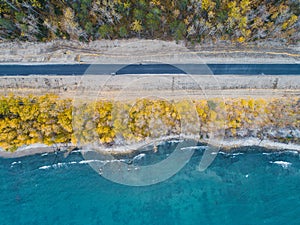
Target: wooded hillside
[192, 20]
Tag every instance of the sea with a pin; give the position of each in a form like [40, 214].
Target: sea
[249, 185]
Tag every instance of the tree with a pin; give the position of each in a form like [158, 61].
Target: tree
[138, 14]
[123, 32]
[105, 31]
[152, 21]
[69, 24]
[180, 31]
[136, 26]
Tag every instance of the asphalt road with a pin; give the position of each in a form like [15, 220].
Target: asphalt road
[119, 69]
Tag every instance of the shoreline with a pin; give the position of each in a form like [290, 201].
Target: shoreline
[226, 146]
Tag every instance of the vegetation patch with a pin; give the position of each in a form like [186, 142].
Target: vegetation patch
[193, 20]
[48, 119]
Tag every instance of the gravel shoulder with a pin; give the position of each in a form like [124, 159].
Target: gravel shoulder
[170, 86]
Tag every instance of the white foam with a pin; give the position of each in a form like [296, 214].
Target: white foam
[229, 153]
[59, 165]
[139, 157]
[284, 164]
[13, 163]
[194, 148]
[175, 141]
[293, 152]
[237, 153]
[91, 161]
[44, 167]
[223, 153]
[55, 166]
[77, 151]
[267, 153]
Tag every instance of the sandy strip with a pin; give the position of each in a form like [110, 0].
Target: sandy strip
[227, 145]
[30, 151]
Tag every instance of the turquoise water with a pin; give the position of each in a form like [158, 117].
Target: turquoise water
[252, 188]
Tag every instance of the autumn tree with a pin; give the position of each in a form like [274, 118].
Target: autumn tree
[194, 20]
[136, 26]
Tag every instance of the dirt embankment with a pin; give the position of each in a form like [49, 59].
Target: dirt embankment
[135, 50]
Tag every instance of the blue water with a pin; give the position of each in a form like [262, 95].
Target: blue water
[236, 189]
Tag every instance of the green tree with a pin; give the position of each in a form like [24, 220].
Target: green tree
[138, 14]
[123, 32]
[179, 30]
[153, 20]
[106, 31]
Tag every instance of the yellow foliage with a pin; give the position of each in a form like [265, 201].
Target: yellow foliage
[293, 19]
[35, 3]
[208, 5]
[284, 25]
[251, 103]
[241, 39]
[127, 5]
[137, 26]
[244, 103]
[48, 119]
[155, 2]
[213, 115]
[245, 6]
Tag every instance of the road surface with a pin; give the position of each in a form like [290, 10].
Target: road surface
[119, 69]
